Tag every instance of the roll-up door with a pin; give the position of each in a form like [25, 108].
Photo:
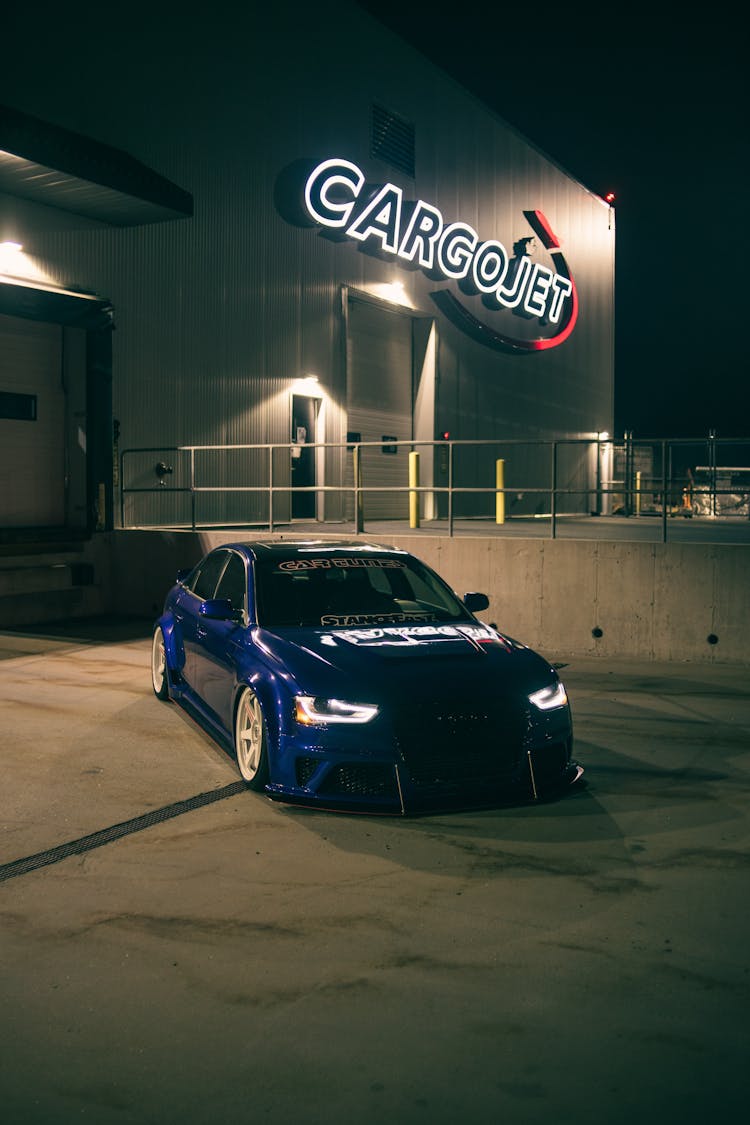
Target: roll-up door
[380, 401]
[32, 424]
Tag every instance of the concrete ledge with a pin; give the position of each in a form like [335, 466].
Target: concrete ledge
[654, 601]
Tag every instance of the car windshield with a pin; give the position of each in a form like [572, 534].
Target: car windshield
[348, 588]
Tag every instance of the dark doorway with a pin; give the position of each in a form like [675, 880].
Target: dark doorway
[304, 421]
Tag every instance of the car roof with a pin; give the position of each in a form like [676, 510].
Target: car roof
[268, 548]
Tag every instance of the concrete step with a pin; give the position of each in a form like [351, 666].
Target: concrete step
[40, 541]
[34, 579]
[45, 581]
[28, 557]
[49, 605]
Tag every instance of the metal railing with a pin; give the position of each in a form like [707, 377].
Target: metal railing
[566, 476]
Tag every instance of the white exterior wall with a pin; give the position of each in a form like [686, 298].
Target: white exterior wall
[217, 315]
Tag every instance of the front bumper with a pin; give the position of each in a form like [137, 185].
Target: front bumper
[427, 765]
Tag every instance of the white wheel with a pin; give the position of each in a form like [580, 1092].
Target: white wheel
[159, 665]
[251, 741]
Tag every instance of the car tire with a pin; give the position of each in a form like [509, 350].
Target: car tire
[159, 680]
[251, 740]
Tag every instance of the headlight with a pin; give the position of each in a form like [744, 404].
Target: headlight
[554, 695]
[310, 709]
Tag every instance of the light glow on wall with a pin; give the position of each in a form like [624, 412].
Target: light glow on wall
[17, 265]
[392, 291]
[308, 385]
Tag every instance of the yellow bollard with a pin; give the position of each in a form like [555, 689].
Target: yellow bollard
[638, 493]
[500, 496]
[359, 522]
[413, 496]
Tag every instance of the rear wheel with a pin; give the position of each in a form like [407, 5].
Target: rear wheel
[251, 740]
[159, 665]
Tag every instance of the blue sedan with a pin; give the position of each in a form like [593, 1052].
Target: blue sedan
[350, 675]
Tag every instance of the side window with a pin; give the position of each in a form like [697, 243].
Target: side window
[208, 574]
[233, 583]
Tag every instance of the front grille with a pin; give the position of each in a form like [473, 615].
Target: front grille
[305, 768]
[360, 779]
[462, 743]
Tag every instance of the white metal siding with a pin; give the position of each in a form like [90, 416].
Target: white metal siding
[32, 453]
[216, 316]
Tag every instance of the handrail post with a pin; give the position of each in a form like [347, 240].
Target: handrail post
[450, 490]
[122, 487]
[664, 486]
[712, 468]
[192, 488]
[553, 493]
[358, 514]
[270, 488]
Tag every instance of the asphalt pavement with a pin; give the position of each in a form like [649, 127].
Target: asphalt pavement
[175, 948]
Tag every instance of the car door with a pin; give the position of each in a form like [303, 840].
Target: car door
[219, 644]
[202, 585]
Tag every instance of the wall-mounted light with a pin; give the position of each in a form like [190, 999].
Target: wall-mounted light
[308, 385]
[14, 247]
[392, 291]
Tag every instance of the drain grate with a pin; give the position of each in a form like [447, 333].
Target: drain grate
[117, 831]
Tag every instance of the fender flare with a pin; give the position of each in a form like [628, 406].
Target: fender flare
[270, 702]
[173, 651]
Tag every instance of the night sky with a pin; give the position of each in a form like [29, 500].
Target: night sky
[666, 130]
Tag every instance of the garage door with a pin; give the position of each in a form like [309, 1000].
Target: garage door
[32, 424]
[379, 401]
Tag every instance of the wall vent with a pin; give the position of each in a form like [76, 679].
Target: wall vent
[393, 139]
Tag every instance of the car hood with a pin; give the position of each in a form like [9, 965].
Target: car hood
[384, 660]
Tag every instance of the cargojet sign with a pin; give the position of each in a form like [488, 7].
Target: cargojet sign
[338, 198]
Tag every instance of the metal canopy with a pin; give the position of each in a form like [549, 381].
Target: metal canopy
[44, 163]
[59, 306]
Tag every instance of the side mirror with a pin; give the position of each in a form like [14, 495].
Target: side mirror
[476, 602]
[218, 609]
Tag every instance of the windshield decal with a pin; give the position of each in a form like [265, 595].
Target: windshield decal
[343, 563]
[373, 618]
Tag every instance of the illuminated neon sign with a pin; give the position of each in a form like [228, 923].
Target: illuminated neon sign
[338, 198]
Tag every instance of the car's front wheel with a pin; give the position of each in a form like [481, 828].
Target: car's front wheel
[159, 665]
[251, 740]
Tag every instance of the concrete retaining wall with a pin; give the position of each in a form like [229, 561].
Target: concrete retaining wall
[659, 601]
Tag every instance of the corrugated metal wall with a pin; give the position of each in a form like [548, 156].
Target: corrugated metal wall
[218, 315]
[32, 455]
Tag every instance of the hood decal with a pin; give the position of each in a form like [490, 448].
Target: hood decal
[412, 635]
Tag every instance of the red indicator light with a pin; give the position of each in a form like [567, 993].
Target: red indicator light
[445, 435]
[609, 197]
